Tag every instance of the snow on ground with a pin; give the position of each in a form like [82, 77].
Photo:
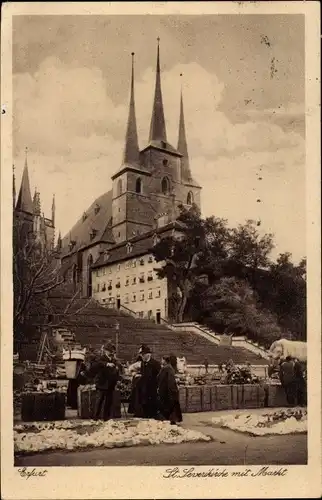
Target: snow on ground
[71, 435]
[284, 421]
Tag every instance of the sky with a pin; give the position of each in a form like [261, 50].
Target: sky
[243, 90]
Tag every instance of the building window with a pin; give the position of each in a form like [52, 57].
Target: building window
[190, 198]
[118, 284]
[104, 287]
[98, 287]
[141, 278]
[150, 295]
[134, 297]
[165, 185]
[119, 267]
[127, 281]
[141, 295]
[129, 247]
[110, 270]
[119, 234]
[138, 185]
[141, 262]
[119, 188]
[104, 271]
[158, 293]
[97, 208]
[150, 276]
[150, 259]
[126, 299]
[109, 285]
[165, 162]
[134, 263]
[134, 281]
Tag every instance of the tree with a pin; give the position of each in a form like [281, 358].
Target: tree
[178, 255]
[231, 306]
[247, 248]
[36, 271]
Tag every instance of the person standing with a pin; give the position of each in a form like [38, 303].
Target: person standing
[300, 383]
[107, 371]
[135, 406]
[288, 381]
[168, 391]
[150, 369]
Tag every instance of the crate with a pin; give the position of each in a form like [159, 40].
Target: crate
[276, 396]
[223, 397]
[183, 398]
[206, 398]
[86, 403]
[42, 406]
[194, 399]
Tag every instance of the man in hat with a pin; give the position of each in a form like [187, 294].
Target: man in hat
[107, 372]
[149, 383]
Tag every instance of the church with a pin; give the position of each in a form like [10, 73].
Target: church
[108, 251]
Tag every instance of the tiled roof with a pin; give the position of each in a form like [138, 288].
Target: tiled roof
[162, 145]
[98, 218]
[140, 246]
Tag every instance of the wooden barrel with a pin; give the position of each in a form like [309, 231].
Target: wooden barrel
[40, 406]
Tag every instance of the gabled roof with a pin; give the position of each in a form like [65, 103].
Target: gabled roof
[98, 218]
[140, 245]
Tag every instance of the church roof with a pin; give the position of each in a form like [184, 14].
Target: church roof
[98, 219]
[24, 203]
[131, 150]
[163, 146]
[140, 245]
[157, 126]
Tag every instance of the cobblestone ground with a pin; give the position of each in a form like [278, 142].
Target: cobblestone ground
[226, 448]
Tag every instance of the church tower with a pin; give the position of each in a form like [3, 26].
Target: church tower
[131, 213]
[153, 182]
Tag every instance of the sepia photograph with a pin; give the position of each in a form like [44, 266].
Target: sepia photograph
[159, 259]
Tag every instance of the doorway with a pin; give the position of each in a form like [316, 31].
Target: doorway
[118, 303]
[158, 317]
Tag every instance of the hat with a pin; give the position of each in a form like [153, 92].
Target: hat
[109, 347]
[144, 349]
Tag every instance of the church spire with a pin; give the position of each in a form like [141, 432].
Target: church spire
[13, 187]
[24, 202]
[131, 150]
[36, 203]
[157, 127]
[53, 210]
[182, 144]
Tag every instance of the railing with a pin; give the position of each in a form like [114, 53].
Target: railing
[189, 326]
[129, 311]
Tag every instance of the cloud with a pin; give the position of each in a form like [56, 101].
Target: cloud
[75, 134]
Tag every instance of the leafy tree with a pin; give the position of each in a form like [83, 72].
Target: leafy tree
[178, 254]
[232, 307]
[248, 249]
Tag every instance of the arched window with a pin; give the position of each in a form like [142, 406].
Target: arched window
[89, 275]
[138, 185]
[119, 187]
[165, 185]
[190, 198]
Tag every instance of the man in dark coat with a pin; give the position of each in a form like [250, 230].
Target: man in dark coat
[288, 381]
[300, 383]
[168, 391]
[149, 383]
[107, 371]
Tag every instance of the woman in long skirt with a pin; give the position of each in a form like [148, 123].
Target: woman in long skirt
[168, 391]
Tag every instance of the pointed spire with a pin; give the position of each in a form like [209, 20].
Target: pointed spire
[13, 187]
[24, 202]
[53, 209]
[182, 143]
[131, 150]
[157, 127]
[36, 203]
[59, 241]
